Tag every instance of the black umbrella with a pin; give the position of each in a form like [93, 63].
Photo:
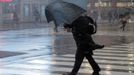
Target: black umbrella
[62, 12]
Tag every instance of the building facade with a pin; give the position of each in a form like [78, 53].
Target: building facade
[105, 9]
[25, 9]
[29, 7]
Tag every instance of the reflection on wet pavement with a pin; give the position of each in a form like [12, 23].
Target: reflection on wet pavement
[49, 53]
[4, 54]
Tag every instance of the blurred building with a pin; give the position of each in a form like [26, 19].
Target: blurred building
[29, 7]
[7, 8]
[105, 9]
[25, 9]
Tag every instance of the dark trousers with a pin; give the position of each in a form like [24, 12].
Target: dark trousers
[79, 59]
[123, 25]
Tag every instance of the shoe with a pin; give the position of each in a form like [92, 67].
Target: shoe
[95, 73]
[97, 69]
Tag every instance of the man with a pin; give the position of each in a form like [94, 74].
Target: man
[82, 29]
[124, 20]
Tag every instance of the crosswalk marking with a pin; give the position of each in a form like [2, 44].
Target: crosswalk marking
[32, 65]
[114, 60]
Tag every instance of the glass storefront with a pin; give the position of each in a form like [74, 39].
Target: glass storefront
[105, 8]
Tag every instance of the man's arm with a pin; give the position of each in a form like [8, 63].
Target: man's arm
[93, 23]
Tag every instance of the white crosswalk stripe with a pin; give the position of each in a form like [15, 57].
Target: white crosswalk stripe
[115, 60]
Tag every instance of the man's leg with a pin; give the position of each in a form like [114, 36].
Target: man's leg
[79, 56]
[93, 63]
[123, 27]
[78, 61]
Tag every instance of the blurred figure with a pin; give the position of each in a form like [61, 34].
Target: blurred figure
[36, 15]
[110, 16]
[124, 20]
[94, 15]
[82, 29]
[113, 16]
[15, 18]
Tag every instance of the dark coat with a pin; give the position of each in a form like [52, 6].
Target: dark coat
[84, 24]
[82, 32]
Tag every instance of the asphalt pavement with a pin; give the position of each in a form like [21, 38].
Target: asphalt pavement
[41, 51]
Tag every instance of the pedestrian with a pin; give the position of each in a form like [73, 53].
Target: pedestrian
[36, 14]
[94, 15]
[82, 29]
[124, 20]
[15, 18]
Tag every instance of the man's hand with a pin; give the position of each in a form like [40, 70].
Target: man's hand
[68, 29]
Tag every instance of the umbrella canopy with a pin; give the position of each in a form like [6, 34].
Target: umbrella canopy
[62, 12]
[81, 3]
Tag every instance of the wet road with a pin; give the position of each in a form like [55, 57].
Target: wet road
[43, 50]
[61, 42]
[28, 39]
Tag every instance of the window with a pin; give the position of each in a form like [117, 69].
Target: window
[26, 10]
